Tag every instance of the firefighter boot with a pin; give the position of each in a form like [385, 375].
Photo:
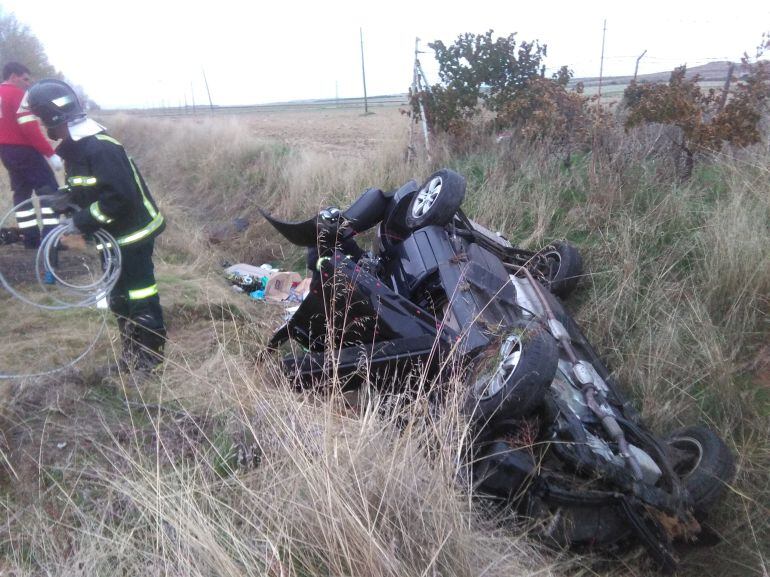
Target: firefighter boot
[128, 354]
[149, 339]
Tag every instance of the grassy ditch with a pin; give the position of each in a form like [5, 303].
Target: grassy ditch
[218, 467]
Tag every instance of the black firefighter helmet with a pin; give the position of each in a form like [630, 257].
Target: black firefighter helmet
[53, 102]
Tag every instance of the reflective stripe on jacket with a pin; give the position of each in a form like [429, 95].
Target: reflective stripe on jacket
[108, 187]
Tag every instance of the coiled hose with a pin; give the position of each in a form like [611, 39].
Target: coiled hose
[69, 294]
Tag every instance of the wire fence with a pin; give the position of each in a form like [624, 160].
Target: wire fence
[390, 100]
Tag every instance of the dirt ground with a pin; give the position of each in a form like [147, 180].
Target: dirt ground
[17, 265]
[337, 131]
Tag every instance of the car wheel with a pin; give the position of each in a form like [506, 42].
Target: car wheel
[703, 463]
[437, 201]
[565, 267]
[578, 526]
[511, 382]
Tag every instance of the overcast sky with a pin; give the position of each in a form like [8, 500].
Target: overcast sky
[146, 53]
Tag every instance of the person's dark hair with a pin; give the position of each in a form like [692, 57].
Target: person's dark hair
[14, 68]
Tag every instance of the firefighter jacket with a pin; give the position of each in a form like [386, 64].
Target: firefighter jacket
[19, 127]
[106, 184]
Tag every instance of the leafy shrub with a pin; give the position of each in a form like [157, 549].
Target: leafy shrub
[507, 81]
[547, 111]
[706, 119]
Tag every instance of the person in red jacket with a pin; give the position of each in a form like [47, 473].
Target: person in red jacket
[23, 151]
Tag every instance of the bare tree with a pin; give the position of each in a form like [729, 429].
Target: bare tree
[18, 43]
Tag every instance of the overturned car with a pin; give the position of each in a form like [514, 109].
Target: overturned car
[440, 286]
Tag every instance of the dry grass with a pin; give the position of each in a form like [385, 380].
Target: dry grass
[218, 467]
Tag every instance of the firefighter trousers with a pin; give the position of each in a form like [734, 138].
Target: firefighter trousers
[134, 301]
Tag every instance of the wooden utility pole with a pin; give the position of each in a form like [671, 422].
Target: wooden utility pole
[206, 82]
[363, 70]
[595, 143]
[601, 67]
[636, 68]
[419, 86]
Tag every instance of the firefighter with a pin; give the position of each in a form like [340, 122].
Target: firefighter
[103, 181]
[24, 150]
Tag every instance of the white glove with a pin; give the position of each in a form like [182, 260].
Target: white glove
[56, 163]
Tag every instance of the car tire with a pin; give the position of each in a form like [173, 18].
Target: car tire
[565, 267]
[511, 382]
[591, 526]
[509, 473]
[703, 463]
[437, 200]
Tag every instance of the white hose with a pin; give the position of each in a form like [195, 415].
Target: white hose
[79, 295]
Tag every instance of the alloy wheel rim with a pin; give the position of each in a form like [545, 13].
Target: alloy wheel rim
[426, 197]
[508, 360]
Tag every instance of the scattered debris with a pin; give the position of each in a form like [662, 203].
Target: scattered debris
[267, 283]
